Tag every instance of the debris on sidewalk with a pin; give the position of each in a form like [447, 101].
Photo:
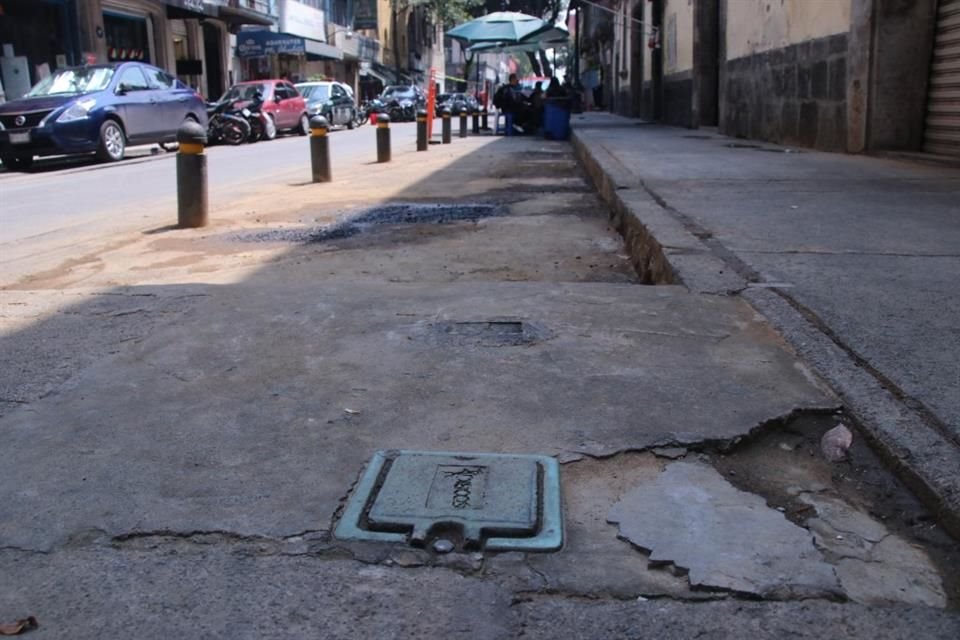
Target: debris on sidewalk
[836, 442]
[693, 518]
[16, 628]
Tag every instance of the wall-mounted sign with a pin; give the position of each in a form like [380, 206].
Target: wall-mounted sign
[365, 14]
[301, 20]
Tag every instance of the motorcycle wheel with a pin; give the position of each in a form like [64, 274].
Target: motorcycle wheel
[236, 132]
[395, 114]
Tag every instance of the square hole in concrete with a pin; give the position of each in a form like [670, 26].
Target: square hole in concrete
[497, 502]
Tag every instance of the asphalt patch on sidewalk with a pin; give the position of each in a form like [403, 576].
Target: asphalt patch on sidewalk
[378, 216]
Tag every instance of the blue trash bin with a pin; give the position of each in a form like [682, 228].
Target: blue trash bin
[556, 118]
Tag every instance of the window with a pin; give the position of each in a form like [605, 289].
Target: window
[159, 79]
[131, 79]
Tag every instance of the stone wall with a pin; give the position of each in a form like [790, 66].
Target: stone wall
[792, 95]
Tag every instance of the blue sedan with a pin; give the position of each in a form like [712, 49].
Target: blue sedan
[96, 109]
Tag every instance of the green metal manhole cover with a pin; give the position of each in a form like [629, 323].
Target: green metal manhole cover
[490, 501]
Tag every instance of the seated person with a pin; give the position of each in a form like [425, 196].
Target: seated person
[510, 99]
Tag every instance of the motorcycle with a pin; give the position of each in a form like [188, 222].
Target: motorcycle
[262, 126]
[224, 126]
[401, 111]
[368, 109]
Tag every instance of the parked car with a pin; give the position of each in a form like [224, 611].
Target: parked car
[403, 101]
[97, 109]
[281, 102]
[458, 102]
[332, 100]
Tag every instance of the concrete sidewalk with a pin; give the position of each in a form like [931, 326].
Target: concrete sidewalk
[185, 414]
[854, 259]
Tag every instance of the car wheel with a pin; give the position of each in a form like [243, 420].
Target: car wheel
[351, 123]
[113, 144]
[270, 131]
[304, 128]
[17, 163]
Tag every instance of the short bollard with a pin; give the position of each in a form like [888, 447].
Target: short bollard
[383, 138]
[421, 130]
[484, 124]
[476, 123]
[446, 126]
[191, 176]
[319, 149]
[463, 123]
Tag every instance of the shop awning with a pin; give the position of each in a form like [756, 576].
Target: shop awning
[376, 74]
[321, 50]
[386, 75]
[187, 9]
[260, 43]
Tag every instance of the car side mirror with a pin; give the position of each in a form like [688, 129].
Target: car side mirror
[122, 89]
[277, 98]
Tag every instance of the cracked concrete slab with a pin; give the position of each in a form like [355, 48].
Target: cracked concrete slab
[574, 619]
[46, 337]
[92, 594]
[692, 518]
[874, 566]
[240, 421]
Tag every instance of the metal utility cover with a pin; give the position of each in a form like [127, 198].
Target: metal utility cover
[492, 501]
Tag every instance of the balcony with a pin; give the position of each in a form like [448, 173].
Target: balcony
[238, 13]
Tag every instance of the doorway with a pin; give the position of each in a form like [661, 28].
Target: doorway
[213, 58]
[637, 45]
[707, 61]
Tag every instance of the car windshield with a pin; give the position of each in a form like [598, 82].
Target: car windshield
[315, 92]
[399, 92]
[244, 92]
[73, 82]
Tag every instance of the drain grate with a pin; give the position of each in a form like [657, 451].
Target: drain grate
[497, 502]
[383, 215]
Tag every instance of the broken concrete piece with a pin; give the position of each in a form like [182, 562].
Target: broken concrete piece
[693, 518]
[671, 453]
[875, 567]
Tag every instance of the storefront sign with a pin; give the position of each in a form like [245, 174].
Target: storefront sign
[256, 44]
[301, 20]
[198, 7]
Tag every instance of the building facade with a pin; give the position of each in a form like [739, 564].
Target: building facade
[838, 75]
[190, 38]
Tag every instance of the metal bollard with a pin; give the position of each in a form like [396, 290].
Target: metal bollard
[383, 138]
[191, 176]
[476, 123]
[463, 123]
[422, 130]
[319, 149]
[484, 124]
[446, 126]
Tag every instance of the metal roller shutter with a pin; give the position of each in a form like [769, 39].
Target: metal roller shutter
[942, 131]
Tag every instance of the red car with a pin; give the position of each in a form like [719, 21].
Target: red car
[281, 101]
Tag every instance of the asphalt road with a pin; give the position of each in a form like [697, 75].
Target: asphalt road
[69, 199]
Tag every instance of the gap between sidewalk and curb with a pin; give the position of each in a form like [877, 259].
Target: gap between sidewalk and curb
[666, 246]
